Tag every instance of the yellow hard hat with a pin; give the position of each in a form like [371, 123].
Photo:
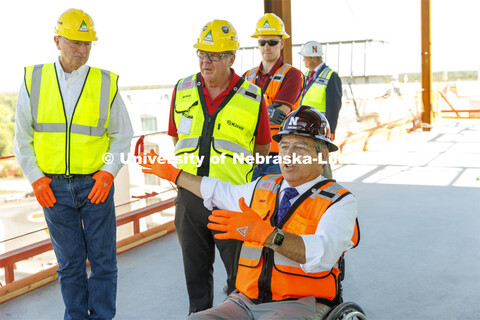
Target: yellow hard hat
[270, 25]
[76, 25]
[217, 36]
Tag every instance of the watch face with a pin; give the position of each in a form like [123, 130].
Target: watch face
[278, 239]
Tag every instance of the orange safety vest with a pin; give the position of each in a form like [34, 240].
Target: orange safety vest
[265, 275]
[269, 93]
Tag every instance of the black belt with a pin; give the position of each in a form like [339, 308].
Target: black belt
[67, 176]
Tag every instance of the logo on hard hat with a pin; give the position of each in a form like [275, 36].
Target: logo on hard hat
[293, 121]
[83, 27]
[266, 26]
[314, 49]
[225, 29]
[208, 38]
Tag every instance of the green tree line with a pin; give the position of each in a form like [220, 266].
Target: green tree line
[7, 122]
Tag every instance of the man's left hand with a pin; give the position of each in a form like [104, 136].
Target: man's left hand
[101, 189]
[275, 115]
[245, 226]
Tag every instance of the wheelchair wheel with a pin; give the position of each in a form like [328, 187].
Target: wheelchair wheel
[346, 311]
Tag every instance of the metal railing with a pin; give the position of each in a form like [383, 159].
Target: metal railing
[348, 58]
[14, 288]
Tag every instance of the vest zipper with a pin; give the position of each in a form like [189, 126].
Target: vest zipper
[69, 126]
[206, 138]
[264, 280]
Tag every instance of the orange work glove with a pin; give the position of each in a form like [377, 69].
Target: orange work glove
[43, 192]
[159, 166]
[245, 226]
[101, 188]
[332, 136]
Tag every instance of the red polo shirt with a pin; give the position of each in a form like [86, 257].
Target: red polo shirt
[263, 131]
[291, 87]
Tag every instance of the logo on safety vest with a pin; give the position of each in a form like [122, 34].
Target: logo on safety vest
[83, 27]
[244, 231]
[208, 38]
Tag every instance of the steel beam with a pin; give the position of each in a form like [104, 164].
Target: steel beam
[427, 116]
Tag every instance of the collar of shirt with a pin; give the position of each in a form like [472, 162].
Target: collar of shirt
[71, 85]
[272, 71]
[320, 66]
[212, 105]
[301, 188]
[76, 74]
[262, 78]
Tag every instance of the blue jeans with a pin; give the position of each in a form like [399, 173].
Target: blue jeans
[264, 169]
[79, 230]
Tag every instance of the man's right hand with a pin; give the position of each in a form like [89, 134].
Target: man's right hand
[158, 166]
[274, 114]
[43, 192]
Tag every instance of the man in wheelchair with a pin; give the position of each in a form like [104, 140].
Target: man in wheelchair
[294, 230]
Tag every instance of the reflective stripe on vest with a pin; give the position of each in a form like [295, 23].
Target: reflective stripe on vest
[270, 93]
[315, 95]
[287, 279]
[230, 130]
[80, 144]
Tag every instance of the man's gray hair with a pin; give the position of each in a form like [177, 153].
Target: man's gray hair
[320, 145]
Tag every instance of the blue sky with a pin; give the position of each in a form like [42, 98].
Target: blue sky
[149, 42]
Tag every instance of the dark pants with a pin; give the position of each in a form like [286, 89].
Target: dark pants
[198, 250]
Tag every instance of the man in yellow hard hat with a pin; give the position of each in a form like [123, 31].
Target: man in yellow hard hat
[68, 117]
[215, 117]
[280, 82]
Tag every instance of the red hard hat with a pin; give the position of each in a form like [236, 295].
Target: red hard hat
[307, 121]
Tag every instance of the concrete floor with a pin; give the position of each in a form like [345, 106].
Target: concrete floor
[419, 255]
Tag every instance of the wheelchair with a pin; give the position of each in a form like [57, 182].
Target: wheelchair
[345, 310]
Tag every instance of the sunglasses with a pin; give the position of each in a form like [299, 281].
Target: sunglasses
[271, 43]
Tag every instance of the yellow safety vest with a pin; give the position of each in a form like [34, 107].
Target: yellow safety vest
[75, 146]
[315, 95]
[230, 130]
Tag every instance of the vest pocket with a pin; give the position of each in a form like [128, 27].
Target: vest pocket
[302, 225]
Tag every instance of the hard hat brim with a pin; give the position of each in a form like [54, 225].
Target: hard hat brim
[331, 146]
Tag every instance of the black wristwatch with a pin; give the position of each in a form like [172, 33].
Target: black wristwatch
[277, 239]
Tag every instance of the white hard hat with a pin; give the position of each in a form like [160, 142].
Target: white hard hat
[312, 49]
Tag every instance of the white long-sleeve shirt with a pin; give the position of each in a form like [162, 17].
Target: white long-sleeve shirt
[322, 249]
[119, 130]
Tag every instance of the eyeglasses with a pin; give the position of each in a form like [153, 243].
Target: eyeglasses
[271, 43]
[299, 148]
[78, 44]
[213, 57]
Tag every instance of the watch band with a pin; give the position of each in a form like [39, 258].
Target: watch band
[277, 239]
